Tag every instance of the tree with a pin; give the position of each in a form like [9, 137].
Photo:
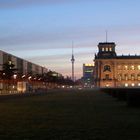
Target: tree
[8, 70]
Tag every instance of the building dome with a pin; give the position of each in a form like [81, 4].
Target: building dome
[106, 50]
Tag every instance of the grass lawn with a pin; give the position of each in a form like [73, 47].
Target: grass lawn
[68, 115]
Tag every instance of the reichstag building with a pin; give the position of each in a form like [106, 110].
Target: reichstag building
[112, 70]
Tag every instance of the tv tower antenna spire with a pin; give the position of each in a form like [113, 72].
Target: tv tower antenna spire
[72, 61]
[106, 35]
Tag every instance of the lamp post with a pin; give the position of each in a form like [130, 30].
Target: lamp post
[14, 86]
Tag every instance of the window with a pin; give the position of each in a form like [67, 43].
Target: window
[132, 76]
[106, 49]
[107, 77]
[107, 68]
[119, 67]
[138, 77]
[138, 67]
[132, 67]
[133, 84]
[126, 77]
[126, 85]
[103, 49]
[125, 67]
[107, 85]
[110, 49]
[9, 62]
[119, 77]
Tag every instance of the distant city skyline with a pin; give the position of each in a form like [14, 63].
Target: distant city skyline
[42, 31]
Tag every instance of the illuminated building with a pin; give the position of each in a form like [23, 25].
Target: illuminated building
[24, 67]
[88, 74]
[20, 79]
[112, 70]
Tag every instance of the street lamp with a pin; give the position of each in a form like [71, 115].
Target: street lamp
[29, 77]
[15, 76]
[23, 76]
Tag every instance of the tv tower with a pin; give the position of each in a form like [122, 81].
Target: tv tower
[106, 36]
[72, 61]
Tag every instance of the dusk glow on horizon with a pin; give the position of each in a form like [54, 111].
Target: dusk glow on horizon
[42, 31]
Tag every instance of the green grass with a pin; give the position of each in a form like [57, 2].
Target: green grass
[68, 115]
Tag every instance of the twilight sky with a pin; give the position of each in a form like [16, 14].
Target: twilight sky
[42, 31]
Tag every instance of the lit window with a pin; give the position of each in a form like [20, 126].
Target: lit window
[106, 49]
[119, 77]
[126, 77]
[138, 84]
[132, 67]
[138, 77]
[126, 85]
[103, 49]
[10, 62]
[107, 85]
[133, 84]
[126, 67]
[132, 76]
[110, 49]
[138, 67]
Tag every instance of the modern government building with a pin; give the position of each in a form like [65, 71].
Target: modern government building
[26, 77]
[112, 70]
[24, 67]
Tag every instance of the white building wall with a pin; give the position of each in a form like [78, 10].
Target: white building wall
[34, 69]
[40, 70]
[1, 59]
[14, 61]
[25, 67]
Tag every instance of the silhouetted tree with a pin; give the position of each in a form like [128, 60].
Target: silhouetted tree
[8, 70]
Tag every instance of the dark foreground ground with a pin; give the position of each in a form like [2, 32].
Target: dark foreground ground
[68, 115]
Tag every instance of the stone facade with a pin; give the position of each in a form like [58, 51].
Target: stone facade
[115, 71]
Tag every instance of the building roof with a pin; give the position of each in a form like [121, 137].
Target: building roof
[105, 52]
[128, 57]
[106, 43]
[118, 57]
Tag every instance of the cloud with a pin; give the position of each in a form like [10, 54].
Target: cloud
[28, 40]
[58, 62]
[55, 57]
